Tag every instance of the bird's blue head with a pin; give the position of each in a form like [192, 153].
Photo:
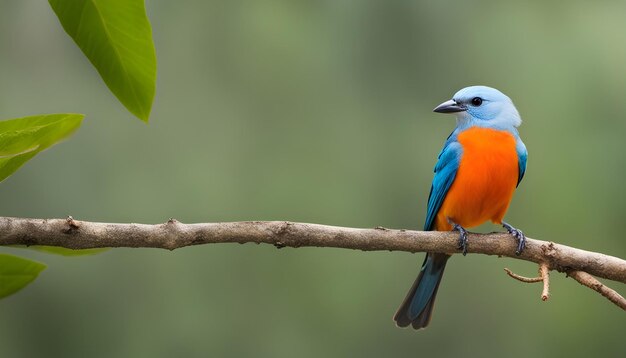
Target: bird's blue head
[482, 106]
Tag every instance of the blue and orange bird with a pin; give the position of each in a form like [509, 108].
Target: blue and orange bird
[479, 167]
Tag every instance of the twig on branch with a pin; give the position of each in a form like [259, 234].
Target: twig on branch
[544, 276]
[73, 234]
[586, 279]
[523, 278]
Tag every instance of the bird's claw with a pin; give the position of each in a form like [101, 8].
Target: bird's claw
[462, 238]
[518, 235]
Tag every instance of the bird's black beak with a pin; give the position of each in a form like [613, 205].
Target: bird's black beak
[450, 107]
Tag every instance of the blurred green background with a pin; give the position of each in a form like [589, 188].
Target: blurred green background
[316, 112]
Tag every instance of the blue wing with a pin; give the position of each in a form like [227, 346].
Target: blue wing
[522, 156]
[445, 172]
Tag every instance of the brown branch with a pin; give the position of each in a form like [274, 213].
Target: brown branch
[544, 276]
[544, 271]
[586, 279]
[523, 278]
[74, 234]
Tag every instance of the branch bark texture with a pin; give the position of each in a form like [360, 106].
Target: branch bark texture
[74, 234]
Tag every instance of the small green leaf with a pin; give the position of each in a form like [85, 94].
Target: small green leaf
[22, 138]
[116, 37]
[66, 252]
[17, 272]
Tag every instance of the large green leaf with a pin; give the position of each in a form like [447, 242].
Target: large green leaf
[116, 37]
[22, 138]
[17, 272]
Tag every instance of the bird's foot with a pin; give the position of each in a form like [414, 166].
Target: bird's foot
[462, 237]
[518, 235]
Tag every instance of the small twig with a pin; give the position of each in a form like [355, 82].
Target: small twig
[72, 223]
[545, 276]
[523, 278]
[586, 279]
[544, 272]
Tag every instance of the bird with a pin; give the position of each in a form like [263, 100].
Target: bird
[481, 164]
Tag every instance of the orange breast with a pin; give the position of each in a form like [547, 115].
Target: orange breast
[485, 181]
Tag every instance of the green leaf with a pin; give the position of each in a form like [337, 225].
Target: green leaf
[116, 37]
[22, 138]
[66, 252]
[17, 272]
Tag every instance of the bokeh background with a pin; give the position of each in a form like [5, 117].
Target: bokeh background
[315, 112]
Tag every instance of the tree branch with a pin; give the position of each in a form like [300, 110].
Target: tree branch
[586, 279]
[523, 278]
[544, 276]
[544, 271]
[73, 234]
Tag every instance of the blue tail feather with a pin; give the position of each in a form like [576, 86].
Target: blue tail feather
[418, 305]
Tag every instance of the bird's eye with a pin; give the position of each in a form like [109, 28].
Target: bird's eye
[477, 101]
